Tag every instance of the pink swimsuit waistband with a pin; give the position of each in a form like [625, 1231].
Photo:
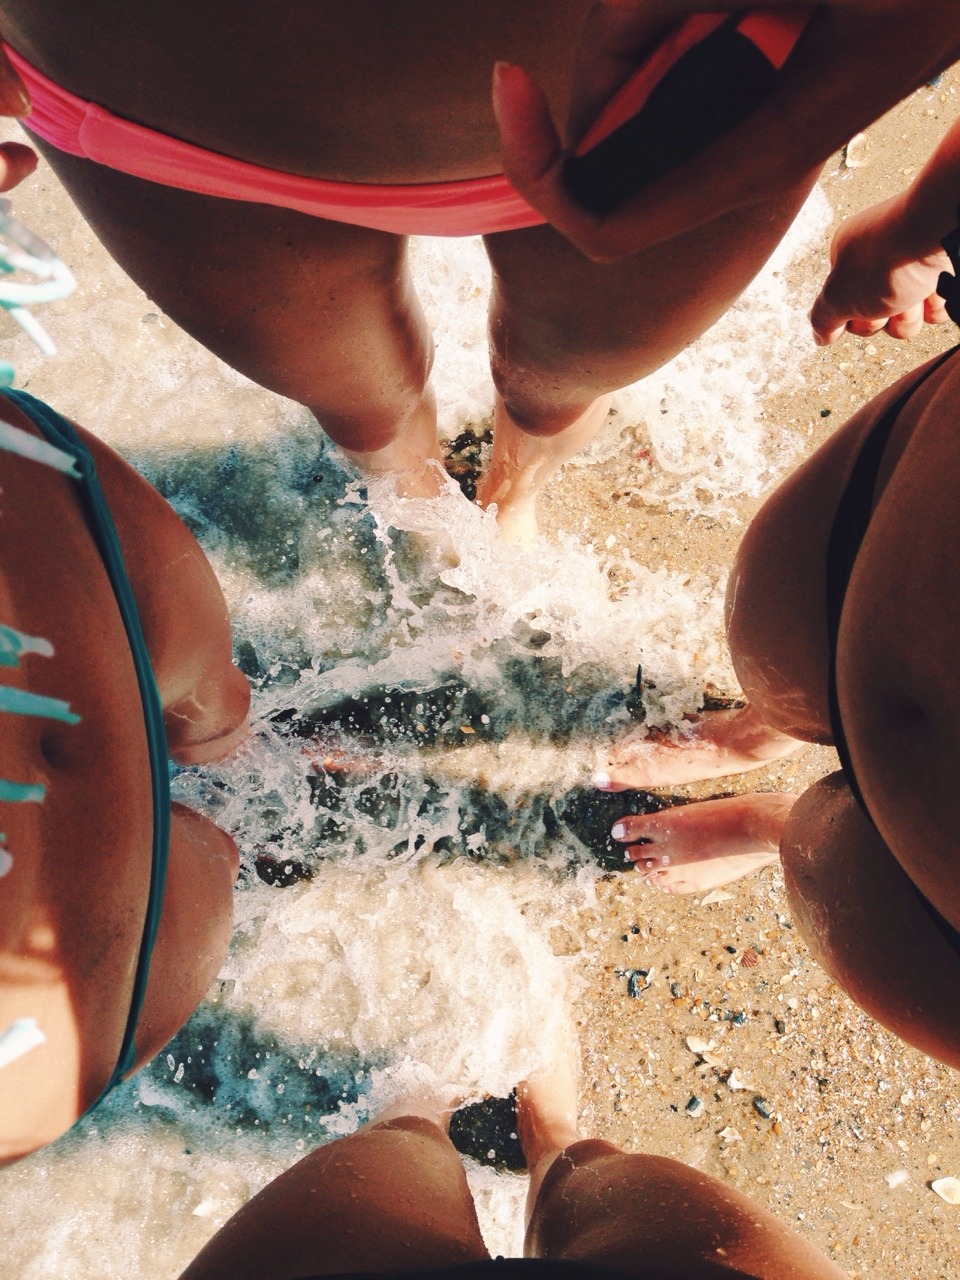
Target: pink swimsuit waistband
[473, 206]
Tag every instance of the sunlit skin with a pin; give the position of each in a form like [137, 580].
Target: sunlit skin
[326, 314]
[854, 884]
[393, 1197]
[72, 903]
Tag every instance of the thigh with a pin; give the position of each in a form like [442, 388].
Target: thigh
[182, 611]
[392, 1197]
[777, 594]
[857, 908]
[318, 311]
[652, 1218]
[604, 326]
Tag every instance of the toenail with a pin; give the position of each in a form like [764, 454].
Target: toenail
[601, 780]
[618, 830]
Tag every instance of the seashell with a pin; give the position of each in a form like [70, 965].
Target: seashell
[897, 1178]
[734, 1081]
[696, 1045]
[749, 959]
[855, 152]
[947, 1189]
[717, 895]
[729, 1135]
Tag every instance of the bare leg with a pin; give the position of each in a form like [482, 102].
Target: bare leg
[566, 332]
[695, 848]
[721, 743]
[522, 463]
[184, 617]
[318, 311]
[645, 1216]
[391, 1197]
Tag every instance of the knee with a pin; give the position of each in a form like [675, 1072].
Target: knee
[372, 413]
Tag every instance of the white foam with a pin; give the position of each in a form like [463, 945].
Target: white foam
[398, 965]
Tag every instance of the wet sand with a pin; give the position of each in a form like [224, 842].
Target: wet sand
[829, 1104]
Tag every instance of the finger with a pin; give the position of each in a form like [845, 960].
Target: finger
[14, 98]
[531, 151]
[866, 328]
[935, 310]
[17, 161]
[907, 324]
[827, 91]
[828, 321]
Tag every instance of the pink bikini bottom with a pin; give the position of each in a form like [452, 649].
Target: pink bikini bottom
[473, 206]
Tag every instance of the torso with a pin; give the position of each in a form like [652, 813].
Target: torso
[897, 669]
[71, 907]
[351, 90]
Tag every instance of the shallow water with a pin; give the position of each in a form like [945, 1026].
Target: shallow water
[401, 917]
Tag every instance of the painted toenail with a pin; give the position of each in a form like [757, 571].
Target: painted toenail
[618, 830]
[601, 780]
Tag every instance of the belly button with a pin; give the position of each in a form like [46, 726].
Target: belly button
[56, 749]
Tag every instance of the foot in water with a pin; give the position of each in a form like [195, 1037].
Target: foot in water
[522, 463]
[547, 1103]
[697, 847]
[720, 743]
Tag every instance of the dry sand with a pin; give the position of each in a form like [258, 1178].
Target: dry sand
[849, 1104]
[846, 1104]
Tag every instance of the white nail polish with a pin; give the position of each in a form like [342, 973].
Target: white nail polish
[601, 780]
[618, 831]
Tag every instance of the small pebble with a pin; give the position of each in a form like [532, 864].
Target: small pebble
[855, 152]
[947, 1189]
[694, 1106]
[696, 1045]
[762, 1107]
[637, 983]
[897, 1178]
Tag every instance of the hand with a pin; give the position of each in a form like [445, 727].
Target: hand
[17, 160]
[856, 59]
[876, 282]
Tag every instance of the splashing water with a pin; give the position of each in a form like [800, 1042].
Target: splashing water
[425, 717]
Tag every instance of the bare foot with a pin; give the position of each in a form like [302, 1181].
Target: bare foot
[697, 847]
[721, 743]
[547, 1110]
[522, 463]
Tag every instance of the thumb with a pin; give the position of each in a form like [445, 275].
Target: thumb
[17, 161]
[828, 323]
[529, 142]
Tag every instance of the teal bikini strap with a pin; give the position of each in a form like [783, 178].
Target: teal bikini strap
[61, 435]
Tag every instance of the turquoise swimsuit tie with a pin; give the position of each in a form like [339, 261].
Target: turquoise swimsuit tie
[63, 449]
